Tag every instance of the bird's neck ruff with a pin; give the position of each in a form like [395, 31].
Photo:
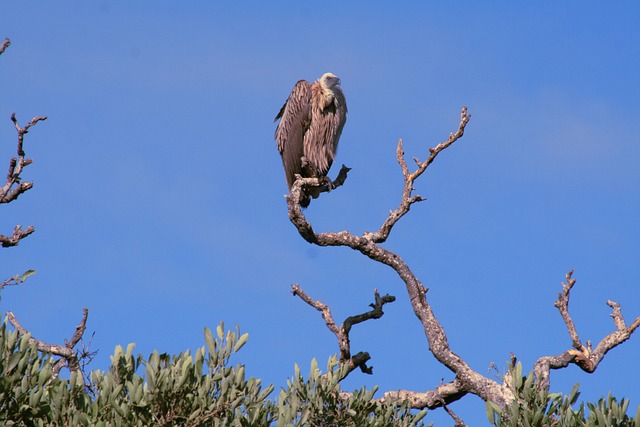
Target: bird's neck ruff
[327, 92]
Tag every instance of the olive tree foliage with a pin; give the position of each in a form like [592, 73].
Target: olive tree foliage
[535, 407]
[199, 389]
[185, 390]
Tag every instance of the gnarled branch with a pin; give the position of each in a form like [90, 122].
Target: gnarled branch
[583, 356]
[342, 332]
[382, 234]
[18, 234]
[466, 379]
[8, 193]
[13, 187]
[68, 355]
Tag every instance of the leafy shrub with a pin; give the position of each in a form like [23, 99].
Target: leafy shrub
[539, 408]
[202, 389]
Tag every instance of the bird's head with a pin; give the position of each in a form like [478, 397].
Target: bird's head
[330, 80]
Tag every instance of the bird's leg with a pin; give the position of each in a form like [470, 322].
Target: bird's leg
[325, 180]
[307, 168]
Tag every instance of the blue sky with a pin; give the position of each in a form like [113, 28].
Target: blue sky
[158, 188]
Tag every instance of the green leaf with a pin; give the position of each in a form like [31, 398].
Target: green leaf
[27, 274]
[220, 330]
[208, 339]
[296, 370]
[314, 368]
[239, 379]
[151, 376]
[130, 347]
[241, 342]
[574, 394]
[13, 361]
[493, 412]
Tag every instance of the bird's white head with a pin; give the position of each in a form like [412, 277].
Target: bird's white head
[330, 80]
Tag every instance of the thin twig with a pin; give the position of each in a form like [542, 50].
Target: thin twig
[5, 44]
[458, 421]
[407, 199]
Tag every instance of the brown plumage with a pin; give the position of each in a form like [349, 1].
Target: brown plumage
[311, 122]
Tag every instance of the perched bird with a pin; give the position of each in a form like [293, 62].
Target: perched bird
[311, 121]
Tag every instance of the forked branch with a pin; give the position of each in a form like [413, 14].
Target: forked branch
[409, 178]
[18, 234]
[68, 356]
[13, 187]
[342, 332]
[583, 356]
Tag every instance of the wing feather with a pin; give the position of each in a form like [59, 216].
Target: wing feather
[295, 117]
[321, 141]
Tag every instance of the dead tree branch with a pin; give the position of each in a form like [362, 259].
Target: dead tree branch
[409, 178]
[457, 420]
[13, 187]
[16, 164]
[18, 234]
[583, 356]
[8, 193]
[68, 356]
[466, 379]
[432, 399]
[342, 332]
[5, 44]
[562, 304]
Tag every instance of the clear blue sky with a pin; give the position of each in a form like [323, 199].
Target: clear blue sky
[158, 187]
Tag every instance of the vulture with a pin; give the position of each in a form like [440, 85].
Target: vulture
[311, 121]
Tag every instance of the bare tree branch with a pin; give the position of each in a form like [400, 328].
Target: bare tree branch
[562, 304]
[409, 178]
[67, 354]
[5, 44]
[457, 420]
[584, 357]
[342, 332]
[18, 234]
[16, 165]
[467, 380]
[442, 395]
[13, 187]
[18, 279]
